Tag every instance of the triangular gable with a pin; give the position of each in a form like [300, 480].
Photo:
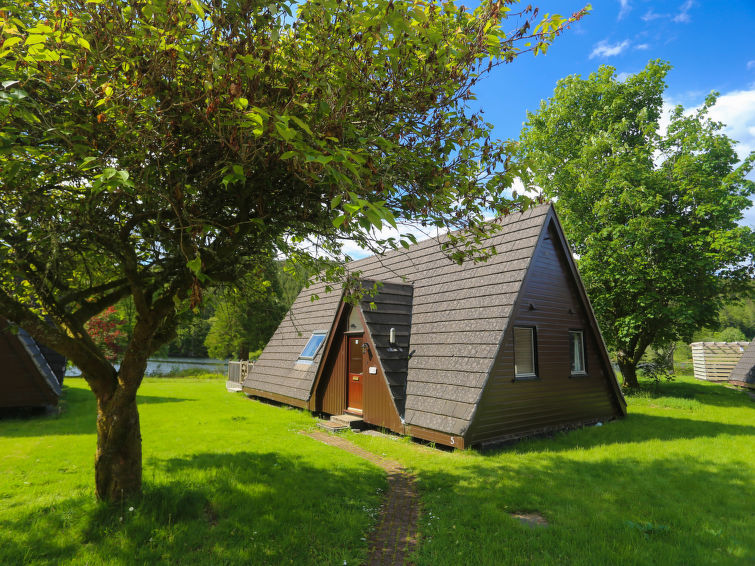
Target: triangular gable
[552, 294]
[382, 388]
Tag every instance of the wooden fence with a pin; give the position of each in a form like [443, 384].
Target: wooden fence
[237, 372]
[713, 361]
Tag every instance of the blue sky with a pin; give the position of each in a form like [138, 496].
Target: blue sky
[711, 46]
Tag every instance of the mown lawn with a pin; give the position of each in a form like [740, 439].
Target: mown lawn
[227, 481]
[230, 481]
[673, 483]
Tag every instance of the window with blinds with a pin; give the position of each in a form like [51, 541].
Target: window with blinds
[524, 352]
[577, 352]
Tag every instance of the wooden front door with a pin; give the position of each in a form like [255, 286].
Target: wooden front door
[355, 375]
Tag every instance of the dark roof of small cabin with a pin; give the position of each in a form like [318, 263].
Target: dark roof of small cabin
[744, 371]
[28, 379]
[459, 313]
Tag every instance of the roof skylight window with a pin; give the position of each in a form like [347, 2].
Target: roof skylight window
[313, 346]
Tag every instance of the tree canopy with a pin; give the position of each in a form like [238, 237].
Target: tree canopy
[153, 148]
[651, 215]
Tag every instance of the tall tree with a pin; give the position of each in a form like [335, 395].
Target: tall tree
[652, 216]
[152, 148]
[247, 313]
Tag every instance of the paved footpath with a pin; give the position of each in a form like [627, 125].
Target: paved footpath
[395, 537]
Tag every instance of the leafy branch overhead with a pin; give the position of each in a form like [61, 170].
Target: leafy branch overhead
[153, 148]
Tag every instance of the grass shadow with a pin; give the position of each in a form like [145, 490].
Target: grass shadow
[76, 413]
[240, 508]
[633, 428]
[708, 393]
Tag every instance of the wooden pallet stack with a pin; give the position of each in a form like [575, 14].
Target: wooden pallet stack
[713, 361]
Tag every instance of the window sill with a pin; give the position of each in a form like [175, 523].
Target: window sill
[528, 377]
[578, 375]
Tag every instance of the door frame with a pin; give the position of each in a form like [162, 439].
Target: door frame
[348, 337]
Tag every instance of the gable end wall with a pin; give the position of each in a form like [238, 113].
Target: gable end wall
[510, 408]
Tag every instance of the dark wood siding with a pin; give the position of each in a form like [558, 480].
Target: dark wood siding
[550, 302]
[20, 382]
[331, 389]
[378, 406]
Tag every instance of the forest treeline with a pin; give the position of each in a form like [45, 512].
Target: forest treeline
[233, 321]
[236, 321]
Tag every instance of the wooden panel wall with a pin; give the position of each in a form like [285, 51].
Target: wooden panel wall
[550, 302]
[378, 406]
[331, 390]
[714, 361]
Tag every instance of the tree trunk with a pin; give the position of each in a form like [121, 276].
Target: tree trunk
[628, 370]
[118, 462]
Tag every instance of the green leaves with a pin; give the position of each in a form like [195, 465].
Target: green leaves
[651, 215]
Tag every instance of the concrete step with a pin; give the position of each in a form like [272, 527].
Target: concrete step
[352, 421]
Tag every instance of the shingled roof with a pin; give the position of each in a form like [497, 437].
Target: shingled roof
[744, 372]
[458, 316]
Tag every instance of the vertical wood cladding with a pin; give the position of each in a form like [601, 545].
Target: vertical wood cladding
[549, 302]
[378, 407]
[331, 390]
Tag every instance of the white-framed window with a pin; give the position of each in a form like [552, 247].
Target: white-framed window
[524, 352]
[313, 346]
[577, 352]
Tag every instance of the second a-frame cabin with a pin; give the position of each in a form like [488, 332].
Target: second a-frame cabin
[743, 374]
[460, 355]
[30, 374]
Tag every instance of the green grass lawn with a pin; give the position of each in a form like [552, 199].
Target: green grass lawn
[673, 483]
[226, 481]
[230, 481]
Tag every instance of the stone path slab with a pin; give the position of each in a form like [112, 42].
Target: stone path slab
[395, 537]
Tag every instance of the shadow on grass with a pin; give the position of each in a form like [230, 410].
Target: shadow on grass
[708, 393]
[672, 510]
[79, 408]
[241, 508]
[633, 428]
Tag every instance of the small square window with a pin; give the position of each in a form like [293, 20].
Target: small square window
[313, 346]
[524, 352]
[577, 352]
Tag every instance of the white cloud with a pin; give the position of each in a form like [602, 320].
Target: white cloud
[624, 9]
[683, 15]
[650, 16]
[736, 110]
[623, 76]
[642, 46]
[750, 65]
[604, 49]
